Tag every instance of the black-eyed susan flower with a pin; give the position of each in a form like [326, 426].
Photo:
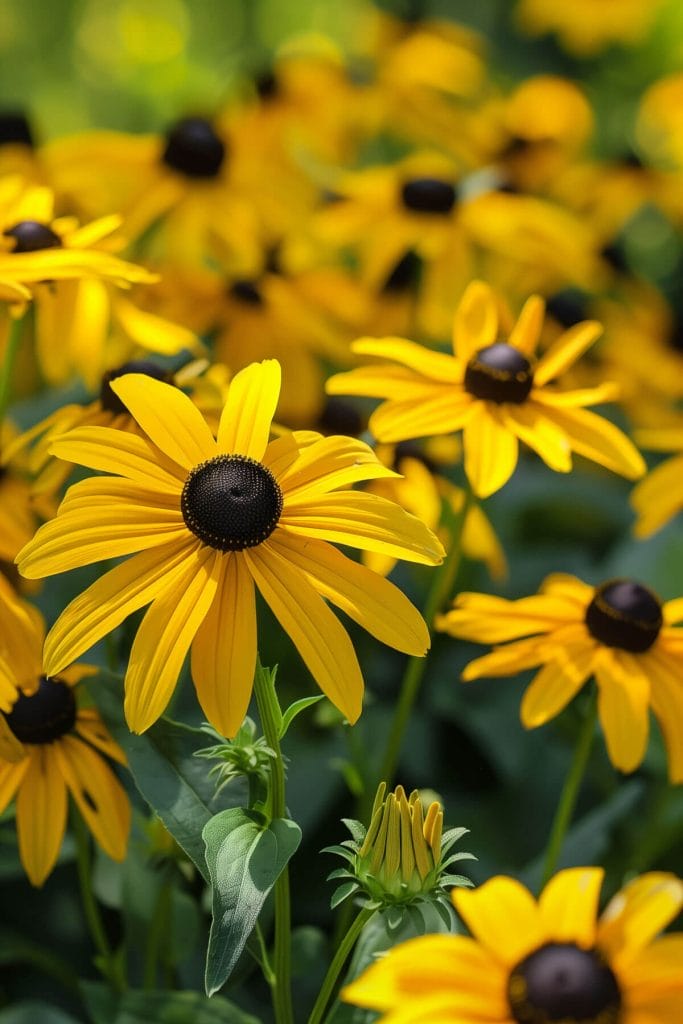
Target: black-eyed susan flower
[585, 28]
[618, 632]
[209, 519]
[50, 747]
[659, 497]
[492, 390]
[536, 962]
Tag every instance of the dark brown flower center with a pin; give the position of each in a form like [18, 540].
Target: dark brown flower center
[624, 614]
[405, 275]
[561, 982]
[31, 235]
[231, 502]
[428, 195]
[14, 127]
[46, 715]
[110, 401]
[267, 85]
[194, 149]
[499, 373]
[247, 292]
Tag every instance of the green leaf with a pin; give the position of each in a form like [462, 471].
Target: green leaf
[296, 708]
[341, 892]
[245, 859]
[135, 1007]
[172, 780]
[31, 1011]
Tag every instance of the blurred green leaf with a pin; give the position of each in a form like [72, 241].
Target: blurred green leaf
[36, 1013]
[155, 1006]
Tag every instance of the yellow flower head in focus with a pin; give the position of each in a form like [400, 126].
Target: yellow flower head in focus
[493, 390]
[49, 747]
[533, 962]
[619, 632]
[208, 519]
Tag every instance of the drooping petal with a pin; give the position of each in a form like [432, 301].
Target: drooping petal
[599, 440]
[248, 412]
[170, 419]
[623, 705]
[490, 451]
[659, 497]
[504, 661]
[395, 382]
[442, 412]
[110, 600]
[607, 391]
[525, 334]
[371, 601]
[666, 695]
[118, 451]
[503, 915]
[152, 332]
[488, 619]
[168, 628]
[476, 321]
[90, 727]
[11, 777]
[569, 906]
[41, 815]
[99, 795]
[556, 684]
[223, 654]
[320, 638]
[365, 521]
[655, 971]
[538, 432]
[566, 350]
[633, 918]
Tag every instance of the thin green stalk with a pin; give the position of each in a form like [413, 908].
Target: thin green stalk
[159, 933]
[111, 966]
[13, 340]
[570, 790]
[338, 961]
[443, 582]
[270, 715]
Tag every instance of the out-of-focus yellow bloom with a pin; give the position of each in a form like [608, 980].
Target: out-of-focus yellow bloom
[659, 497]
[660, 120]
[586, 27]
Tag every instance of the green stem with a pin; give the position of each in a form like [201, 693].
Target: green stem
[159, 933]
[271, 717]
[262, 957]
[443, 582]
[343, 950]
[13, 340]
[570, 790]
[96, 928]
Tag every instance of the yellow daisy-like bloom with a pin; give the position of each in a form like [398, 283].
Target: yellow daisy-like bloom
[659, 497]
[585, 28]
[210, 518]
[535, 962]
[492, 391]
[619, 632]
[50, 747]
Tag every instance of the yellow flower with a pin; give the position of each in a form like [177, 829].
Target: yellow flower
[50, 747]
[659, 497]
[491, 389]
[619, 632]
[534, 962]
[211, 518]
[585, 27]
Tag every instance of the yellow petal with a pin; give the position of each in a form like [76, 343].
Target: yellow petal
[667, 703]
[248, 413]
[442, 412]
[566, 350]
[637, 914]
[487, 619]
[503, 916]
[623, 705]
[119, 451]
[490, 451]
[525, 335]
[659, 497]
[327, 464]
[321, 640]
[436, 366]
[41, 815]
[556, 684]
[12, 774]
[99, 795]
[169, 418]
[599, 440]
[541, 435]
[152, 332]
[569, 906]
[365, 521]
[111, 599]
[90, 726]
[368, 599]
[224, 649]
[168, 628]
[387, 381]
[504, 661]
[476, 321]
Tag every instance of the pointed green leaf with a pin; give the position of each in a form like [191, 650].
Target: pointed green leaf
[296, 708]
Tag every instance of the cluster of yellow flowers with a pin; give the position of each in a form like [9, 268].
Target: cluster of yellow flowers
[228, 294]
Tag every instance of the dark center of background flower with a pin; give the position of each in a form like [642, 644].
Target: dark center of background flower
[231, 502]
[406, 274]
[560, 982]
[45, 715]
[339, 416]
[499, 373]
[111, 401]
[625, 614]
[194, 149]
[14, 127]
[31, 235]
[676, 335]
[267, 85]
[568, 307]
[428, 195]
[247, 291]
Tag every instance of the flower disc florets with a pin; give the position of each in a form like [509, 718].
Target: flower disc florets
[428, 195]
[562, 982]
[111, 401]
[31, 236]
[247, 291]
[625, 614]
[194, 149]
[43, 716]
[231, 502]
[499, 373]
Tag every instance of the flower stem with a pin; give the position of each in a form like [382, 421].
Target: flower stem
[443, 581]
[338, 961]
[111, 967]
[13, 339]
[570, 790]
[159, 931]
[270, 715]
